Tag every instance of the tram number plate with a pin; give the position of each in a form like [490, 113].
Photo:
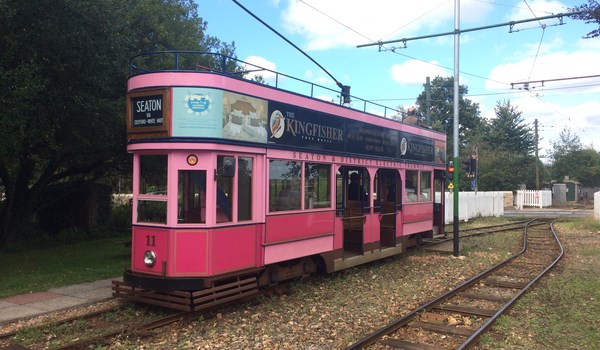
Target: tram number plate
[151, 240]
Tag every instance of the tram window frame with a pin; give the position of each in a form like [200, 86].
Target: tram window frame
[425, 186]
[411, 186]
[245, 173]
[317, 185]
[224, 190]
[151, 203]
[285, 185]
[153, 167]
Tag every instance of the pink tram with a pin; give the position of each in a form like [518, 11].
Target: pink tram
[239, 185]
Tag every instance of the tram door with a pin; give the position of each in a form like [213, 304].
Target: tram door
[438, 201]
[355, 199]
[388, 204]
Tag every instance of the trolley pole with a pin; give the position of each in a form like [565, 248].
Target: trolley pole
[456, 124]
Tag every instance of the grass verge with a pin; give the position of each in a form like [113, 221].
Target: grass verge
[563, 310]
[42, 269]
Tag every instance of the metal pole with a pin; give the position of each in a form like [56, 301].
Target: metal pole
[428, 100]
[537, 158]
[455, 138]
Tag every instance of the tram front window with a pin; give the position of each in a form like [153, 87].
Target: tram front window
[153, 185]
[153, 174]
[191, 198]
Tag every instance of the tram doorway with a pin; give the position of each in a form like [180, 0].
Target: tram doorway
[388, 204]
[438, 202]
[354, 205]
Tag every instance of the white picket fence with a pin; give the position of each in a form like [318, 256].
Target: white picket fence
[474, 204]
[531, 198]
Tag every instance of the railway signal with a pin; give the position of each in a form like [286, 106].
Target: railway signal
[469, 167]
[450, 173]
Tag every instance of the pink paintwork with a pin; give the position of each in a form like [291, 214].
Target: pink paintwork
[196, 252]
[296, 249]
[417, 217]
[291, 227]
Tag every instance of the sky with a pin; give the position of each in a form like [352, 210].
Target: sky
[493, 63]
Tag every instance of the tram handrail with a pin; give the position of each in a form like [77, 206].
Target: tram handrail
[175, 65]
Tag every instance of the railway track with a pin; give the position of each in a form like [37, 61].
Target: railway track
[476, 231]
[458, 318]
[83, 330]
[102, 326]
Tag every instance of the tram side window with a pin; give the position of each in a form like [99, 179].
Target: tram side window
[244, 189]
[224, 191]
[317, 187]
[425, 187]
[191, 198]
[412, 184]
[153, 174]
[284, 185]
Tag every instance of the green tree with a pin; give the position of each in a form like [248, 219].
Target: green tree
[591, 14]
[570, 158]
[566, 144]
[63, 70]
[506, 148]
[442, 110]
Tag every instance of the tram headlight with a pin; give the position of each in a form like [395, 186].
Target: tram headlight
[149, 258]
[192, 159]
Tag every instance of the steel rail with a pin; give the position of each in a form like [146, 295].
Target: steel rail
[400, 322]
[474, 338]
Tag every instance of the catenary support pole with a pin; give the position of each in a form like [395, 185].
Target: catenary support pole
[455, 240]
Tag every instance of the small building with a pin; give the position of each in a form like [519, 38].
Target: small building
[566, 191]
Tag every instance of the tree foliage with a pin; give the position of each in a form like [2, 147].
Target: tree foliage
[62, 74]
[591, 14]
[571, 159]
[442, 109]
[506, 150]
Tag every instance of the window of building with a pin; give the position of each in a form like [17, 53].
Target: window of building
[284, 185]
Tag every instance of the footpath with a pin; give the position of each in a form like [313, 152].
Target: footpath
[34, 304]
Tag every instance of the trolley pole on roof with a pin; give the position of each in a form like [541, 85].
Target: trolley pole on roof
[455, 240]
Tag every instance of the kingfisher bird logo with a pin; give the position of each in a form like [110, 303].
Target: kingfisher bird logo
[277, 124]
[403, 146]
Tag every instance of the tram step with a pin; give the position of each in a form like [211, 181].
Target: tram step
[177, 300]
[237, 289]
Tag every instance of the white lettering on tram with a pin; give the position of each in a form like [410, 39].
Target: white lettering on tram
[314, 130]
[149, 106]
[355, 161]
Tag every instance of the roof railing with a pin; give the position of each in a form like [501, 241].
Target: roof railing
[194, 61]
